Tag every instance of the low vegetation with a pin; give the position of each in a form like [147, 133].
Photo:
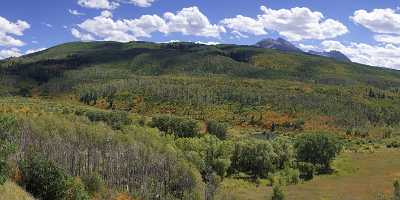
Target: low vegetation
[138, 120]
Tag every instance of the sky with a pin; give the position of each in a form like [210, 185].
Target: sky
[367, 31]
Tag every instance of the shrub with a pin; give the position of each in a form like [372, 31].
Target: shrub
[46, 181]
[283, 147]
[76, 190]
[43, 179]
[94, 184]
[115, 119]
[287, 176]
[254, 157]
[307, 170]
[180, 127]
[318, 149]
[396, 195]
[218, 129]
[277, 194]
[7, 145]
[393, 142]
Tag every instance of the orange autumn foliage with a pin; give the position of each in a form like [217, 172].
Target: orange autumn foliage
[122, 196]
[269, 118]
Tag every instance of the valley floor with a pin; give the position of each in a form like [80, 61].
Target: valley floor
[358, 176]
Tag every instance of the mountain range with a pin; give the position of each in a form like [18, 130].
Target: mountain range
[284, 45]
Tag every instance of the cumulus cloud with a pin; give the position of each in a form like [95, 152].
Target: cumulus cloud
[113, 4]
[378, 20]
[392, 39]
[208, 43]
[98, 4]
[13, 52]
[375, 55]
[295, 24]
[306, 47]
[75, 12]
[34, 50]
[241, 25]
[384, 22]
[188, 21]
[141, 3]
[79, 35]
[7, 29]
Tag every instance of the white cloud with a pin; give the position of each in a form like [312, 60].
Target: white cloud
[295, 24]
[83, 37]
[207, 43]
[141, 3]
[48, 25]
[375, 55]
[113, 4]
[6, 40]
[105, 28]
[34, 50]
[238, 35]
[391, 39]
[306, 47]
[384, 22]
[241, 24]
[378, 20]
[98, 4]
[13, 52]
[8, 28]
[75, 12]
[301, 23]
[106, 14]
[188, 21]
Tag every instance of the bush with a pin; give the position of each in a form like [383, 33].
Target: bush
[393, 142]
[115, 119]
[318, 149]
[46, 181]
[43, 179]
[307, 170]
[76, 190]
[180, 127]
[218, 129]
[254, 157]
[287, 176]
[283, 147]
[278, 194]
[94, 184]
[7, 145]
[396, 195]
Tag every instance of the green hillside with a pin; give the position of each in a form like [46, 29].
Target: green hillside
[242, 82]
[179, 120]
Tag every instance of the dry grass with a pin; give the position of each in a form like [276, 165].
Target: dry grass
[11, 191]
[359, 176]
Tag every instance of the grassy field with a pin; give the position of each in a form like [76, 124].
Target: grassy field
[11, 191]
[358, 176]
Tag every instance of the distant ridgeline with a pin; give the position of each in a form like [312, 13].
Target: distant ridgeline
[283, 45]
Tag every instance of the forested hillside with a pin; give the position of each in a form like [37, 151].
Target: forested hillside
[176, 120]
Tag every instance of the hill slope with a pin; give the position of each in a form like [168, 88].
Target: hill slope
[244, 83]
[156, 59]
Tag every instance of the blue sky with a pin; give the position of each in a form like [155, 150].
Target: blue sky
[366, 31]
